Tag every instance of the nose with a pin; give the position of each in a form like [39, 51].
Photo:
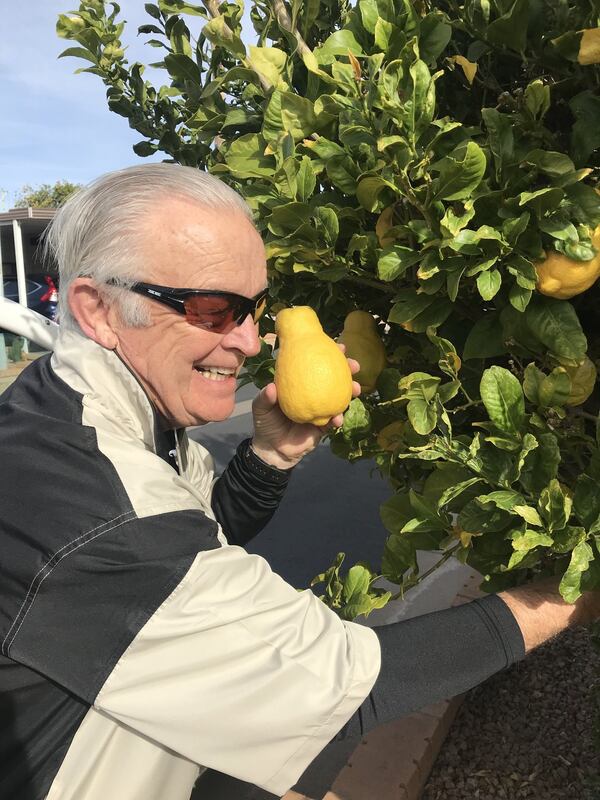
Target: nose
[244, 337]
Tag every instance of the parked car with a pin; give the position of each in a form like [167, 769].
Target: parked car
[42, 294]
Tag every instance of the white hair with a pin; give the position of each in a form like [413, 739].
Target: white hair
[98, 233]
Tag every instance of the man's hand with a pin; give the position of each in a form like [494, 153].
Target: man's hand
[281, 442]
[541, 613]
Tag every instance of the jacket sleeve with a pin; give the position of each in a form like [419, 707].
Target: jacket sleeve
[247, 494]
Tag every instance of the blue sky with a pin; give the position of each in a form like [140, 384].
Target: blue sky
[55, 125]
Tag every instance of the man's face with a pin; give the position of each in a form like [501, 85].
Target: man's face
[189, 246]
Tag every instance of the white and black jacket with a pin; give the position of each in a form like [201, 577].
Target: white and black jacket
[138, 639]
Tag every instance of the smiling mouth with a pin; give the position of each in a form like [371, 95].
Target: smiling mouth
[216, 373]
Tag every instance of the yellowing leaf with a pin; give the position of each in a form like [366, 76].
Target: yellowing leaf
[392, 436]
[468, 67]
[384, 223]
[355, 65]
[589, 47]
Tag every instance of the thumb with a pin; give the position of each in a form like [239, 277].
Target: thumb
[265, 400]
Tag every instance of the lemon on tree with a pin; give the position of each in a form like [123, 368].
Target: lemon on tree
[562, 277]
[313, 379]
[363, 343]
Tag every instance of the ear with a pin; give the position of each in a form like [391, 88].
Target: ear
[91, 312]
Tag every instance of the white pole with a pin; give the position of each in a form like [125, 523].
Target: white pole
[20, 262]
[3, 358]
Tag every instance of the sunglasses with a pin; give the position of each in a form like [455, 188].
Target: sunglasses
[211, 310]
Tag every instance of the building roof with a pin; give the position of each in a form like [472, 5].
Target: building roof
[7, 217]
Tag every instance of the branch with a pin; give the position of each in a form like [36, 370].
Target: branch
[285, 22]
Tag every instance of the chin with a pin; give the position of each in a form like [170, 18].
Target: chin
[215, 413]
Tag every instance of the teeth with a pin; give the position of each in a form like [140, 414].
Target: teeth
[215, 373]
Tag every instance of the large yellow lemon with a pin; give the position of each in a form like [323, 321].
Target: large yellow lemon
[562, 277]
[364, 344]
[313, 379]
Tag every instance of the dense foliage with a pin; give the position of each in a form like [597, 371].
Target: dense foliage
[45, 196]
[415, 160]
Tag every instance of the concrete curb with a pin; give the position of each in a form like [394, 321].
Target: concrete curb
[394, 761]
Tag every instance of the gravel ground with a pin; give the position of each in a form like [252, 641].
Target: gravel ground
[527, 733]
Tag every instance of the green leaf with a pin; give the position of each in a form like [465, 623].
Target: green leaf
[586, 500]
[245, 157]
[555, 506]
[79, 52]
[454, 491]
[530, 539]
[500, 137]
[409, 305]
[338, 44]
[489, 283]
[399, 555]
[585, 134]
[503, 398]
[357, 420]
[459, 177]
[542, 200]
[268, 61]
[485, 339]
[396, 512]
[454, 222]
[529, 514]
[568, 539]
[343, 173]
[419, 106]
[422, 415]
[477, 519]
[182, 68]
[395, 260]
[504, 499]
[220, 34]
[306, 180]
[179, 7]
[519, 298]
[289, 112]
[570, 585]
[586, 202]
[537, 99]
[180, 39]
[434, 35]
[556, 325]
[550, 162]
[541, 466]
[369, 189]
[510, 29]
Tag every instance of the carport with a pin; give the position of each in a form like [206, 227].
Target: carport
[20, 232]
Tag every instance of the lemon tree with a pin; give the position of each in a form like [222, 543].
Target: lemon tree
[434, 165]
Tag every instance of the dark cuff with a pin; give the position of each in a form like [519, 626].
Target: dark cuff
[255, 465]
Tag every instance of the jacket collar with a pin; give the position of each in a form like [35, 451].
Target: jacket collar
[107, 384]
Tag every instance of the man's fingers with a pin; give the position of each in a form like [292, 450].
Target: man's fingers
[352, 362]
[266, 398]
[356, 388]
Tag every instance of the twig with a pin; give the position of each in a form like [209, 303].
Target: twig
[422, 577]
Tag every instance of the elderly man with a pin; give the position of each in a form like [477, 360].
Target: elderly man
[139, 639]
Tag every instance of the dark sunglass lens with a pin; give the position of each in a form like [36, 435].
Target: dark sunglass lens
[211, 312]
